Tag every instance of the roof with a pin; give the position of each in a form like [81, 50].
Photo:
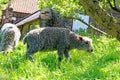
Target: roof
[24, 6]
[28, 18]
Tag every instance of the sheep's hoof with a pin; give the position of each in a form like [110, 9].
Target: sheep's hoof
[30, 58]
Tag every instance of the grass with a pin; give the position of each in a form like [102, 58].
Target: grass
[102, 64]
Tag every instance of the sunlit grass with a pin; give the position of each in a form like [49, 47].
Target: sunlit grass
[102, 64]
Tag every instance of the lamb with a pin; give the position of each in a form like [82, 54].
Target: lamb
[50, 38]
[10, 36]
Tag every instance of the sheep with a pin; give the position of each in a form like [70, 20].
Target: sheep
[50, 18]
[60, 39]
[10, 36]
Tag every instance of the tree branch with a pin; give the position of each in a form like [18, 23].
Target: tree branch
[114, 7]
[81, 20]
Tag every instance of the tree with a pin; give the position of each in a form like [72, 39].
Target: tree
[2, 4]
[94, 8]
[102, 18]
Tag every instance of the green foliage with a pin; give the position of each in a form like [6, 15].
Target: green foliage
[103, 63]
[65, 7]
[104, 3]
[70, 7]
[2, 4]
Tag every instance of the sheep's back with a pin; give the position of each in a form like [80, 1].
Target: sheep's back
[48, 37]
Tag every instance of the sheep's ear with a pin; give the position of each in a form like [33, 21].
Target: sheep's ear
[79, 38]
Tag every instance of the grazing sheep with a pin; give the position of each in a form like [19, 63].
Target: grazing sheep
[50, 18]
[50, 38]
[10, 36]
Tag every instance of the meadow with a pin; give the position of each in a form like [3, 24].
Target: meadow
[102, 64]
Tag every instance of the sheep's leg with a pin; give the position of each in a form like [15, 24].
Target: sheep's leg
[29, 56]
[60, 56]
[67, 55]
[30, 52]
[5, 48]
[14, 45]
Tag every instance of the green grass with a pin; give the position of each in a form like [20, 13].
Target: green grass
[102, 64]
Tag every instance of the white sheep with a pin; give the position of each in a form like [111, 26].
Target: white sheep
[10, 36]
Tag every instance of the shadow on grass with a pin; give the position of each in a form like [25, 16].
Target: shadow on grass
[50, 61]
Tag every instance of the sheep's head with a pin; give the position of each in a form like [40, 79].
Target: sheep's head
[84, 43]
[46, 14]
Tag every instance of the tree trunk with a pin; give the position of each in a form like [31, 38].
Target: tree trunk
[101, 17]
